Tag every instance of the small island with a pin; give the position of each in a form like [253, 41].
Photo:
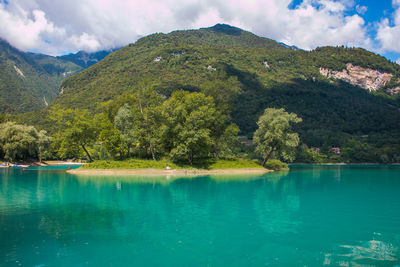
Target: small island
[167, 167]
[141, 133]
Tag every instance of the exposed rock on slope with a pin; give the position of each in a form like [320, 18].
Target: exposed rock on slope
[369, 79]
[394, 90]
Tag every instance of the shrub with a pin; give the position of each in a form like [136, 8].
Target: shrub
[276, 165]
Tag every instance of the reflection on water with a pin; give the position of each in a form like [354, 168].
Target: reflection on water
[373, 252]
[309, 216]
[373, 249]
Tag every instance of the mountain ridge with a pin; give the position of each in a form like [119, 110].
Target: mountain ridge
[256, 73]
[30, 81]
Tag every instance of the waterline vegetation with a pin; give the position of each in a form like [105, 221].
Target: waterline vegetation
[144, 130]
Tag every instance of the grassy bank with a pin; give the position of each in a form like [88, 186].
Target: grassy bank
[210, 164]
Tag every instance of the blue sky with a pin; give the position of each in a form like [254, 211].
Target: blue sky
[59, 27]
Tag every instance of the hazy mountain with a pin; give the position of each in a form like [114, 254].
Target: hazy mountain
[85, 59]
[30, 81]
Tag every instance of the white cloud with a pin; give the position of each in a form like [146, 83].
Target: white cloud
[361, 9]
[58, 26]
[388, 33]
[27, 30]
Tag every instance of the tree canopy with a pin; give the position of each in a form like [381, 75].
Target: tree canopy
[274, 136]
[19, 142]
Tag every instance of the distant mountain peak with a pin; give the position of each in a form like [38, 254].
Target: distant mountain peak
[87, 59]
[226, 28]
[293, 47]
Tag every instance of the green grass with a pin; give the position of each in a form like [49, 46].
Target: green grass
[210, 164]
[233, 164]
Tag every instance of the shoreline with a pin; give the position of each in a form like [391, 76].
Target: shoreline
[152, 172]
[344, 164]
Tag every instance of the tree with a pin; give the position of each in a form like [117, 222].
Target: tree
[147, 119]
[75, 129]
[225, 142]
[138, 119]
[274, 135]
[109, 137]
[188, 118]
[43, 144]
[123, 122]
[4, 117]
[18, 141]
[223, 132]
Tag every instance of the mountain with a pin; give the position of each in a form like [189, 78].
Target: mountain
[29, 81]
[341, 93]
[85, 59]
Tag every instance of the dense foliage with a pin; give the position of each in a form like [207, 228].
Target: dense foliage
[274, 136]
[20, 142]
[29, 81]
[245, 74]
[207, 164]
[276, 165]
[186, 127]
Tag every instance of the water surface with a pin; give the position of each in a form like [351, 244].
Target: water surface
[313, 215]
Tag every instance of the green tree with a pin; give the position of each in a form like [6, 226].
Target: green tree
[123, 122]
[274, 135]
[43, 144]
[147, 119]
[18, 141]
[4, 117]
[223, 133]
[109, 137]
[225, 142]
[75, 129]
[188, 118]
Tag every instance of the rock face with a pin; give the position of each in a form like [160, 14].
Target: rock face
[369, 79]
[394, 90]
[19, 71]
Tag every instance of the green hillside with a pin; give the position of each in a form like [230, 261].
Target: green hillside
[190, 59]
[227, 62]
[28, 81]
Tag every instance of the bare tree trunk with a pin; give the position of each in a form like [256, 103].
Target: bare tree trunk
[216, 151]
[191, 158]
[267, 157]
[147, 131]
[152, 152]
[87, 153]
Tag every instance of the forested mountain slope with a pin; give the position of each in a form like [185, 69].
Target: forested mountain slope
[342, 94]
[29, 81]
[264, 73]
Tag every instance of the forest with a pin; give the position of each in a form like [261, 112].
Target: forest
[244, 75]
[187, 127]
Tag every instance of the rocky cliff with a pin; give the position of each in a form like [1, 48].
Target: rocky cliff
[369, 79]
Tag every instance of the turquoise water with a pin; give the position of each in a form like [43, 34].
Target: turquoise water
[339, 215]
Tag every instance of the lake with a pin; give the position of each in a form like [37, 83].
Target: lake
[312, 215]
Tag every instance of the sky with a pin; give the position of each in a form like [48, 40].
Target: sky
[57, 27]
